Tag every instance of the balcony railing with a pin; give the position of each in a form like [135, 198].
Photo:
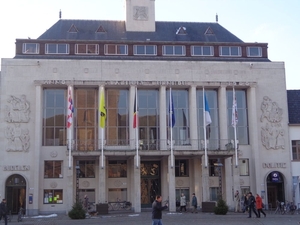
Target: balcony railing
[145, 144]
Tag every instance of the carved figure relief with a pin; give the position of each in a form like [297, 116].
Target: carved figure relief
[140, 13]
[272, 133]
[18, 110]
[17, 138]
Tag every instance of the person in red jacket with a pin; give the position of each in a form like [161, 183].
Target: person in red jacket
[259, 205]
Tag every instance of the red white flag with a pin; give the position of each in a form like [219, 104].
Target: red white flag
[70, 108]
[135, 112]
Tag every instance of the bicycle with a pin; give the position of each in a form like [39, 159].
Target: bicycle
[119, 205]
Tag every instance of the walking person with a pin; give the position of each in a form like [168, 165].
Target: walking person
[259, 206]
[194, 203]
[86, 203]
[245, 203]
[4, 210]
[251, 202]
[182, 202]
[237, 201]
[157, 210]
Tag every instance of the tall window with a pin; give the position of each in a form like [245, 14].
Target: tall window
[212, 130]
[87, 168]
[117, 129]
[296, 150]
[181, 130]
[181, 168]
[53, 169]
[54, 117]
[242, 124]
[244, 167]
[213, 193]
[148, 119]
[86, 126]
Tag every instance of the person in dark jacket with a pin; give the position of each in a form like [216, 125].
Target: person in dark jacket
[157, 210]
[4, 210]
[194, 203]
[251, 202]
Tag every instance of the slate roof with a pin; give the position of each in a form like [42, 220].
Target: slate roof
[293, 98]
[115, 31]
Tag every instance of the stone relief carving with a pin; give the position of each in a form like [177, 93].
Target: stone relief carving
[18, 110]
[272, 133]
[140, 13]
[17, 138]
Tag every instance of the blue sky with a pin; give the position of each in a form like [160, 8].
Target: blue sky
[275, 22]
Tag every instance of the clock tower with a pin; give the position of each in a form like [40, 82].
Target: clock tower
[140, 15]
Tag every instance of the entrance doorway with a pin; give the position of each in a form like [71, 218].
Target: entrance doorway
[275, 188]
[150, 182]
[15, 193]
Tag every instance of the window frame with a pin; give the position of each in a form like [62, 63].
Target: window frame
[67, 49]
[86, 164]
[221, 52]
[119, 165]
[106, 52]
[178, 168]
[211, 49]
[256, 55]
[296, 147]
[27, 46]
[96, 52]
[52, 191]
[164, 52]
[54, 166]
[135, 51]
[247, 171]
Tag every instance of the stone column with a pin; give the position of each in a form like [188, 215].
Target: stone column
[223, 123]
[36, 173]
[162, 118]
[193, 117]
[197, 179]
[132, 132]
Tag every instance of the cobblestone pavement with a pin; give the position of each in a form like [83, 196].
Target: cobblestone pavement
[168, 219]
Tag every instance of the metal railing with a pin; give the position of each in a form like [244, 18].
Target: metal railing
[146, 144]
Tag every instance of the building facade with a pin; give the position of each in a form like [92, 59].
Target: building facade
[61, 142]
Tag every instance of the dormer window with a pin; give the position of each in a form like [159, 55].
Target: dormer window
[230, 51]
[31, 48]
[209, 31]
[254, 52]
[100, 30]
[73, 29]
[181, 30]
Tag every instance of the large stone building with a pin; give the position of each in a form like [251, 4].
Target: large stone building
[137, 63]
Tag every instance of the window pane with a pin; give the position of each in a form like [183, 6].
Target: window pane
[235, 51]
[151, 50]
[140, 49]
[110, 49]
[225, 50]
[168, 50]
[178, 50]
[244, 167]
[51, 48]
[197, 50]
[81, 49]
[207, 50]
[122, 49]
[63, 48]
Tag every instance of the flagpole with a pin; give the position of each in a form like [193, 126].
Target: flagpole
[102, 120]
[136, 130]
[102, 154]
[71, 126]
[171, 126]
[204, 129]
[234, 125]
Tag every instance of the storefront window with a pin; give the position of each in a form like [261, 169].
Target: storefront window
[53, 196]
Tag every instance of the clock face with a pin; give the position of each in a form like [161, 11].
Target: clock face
[140, 13]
